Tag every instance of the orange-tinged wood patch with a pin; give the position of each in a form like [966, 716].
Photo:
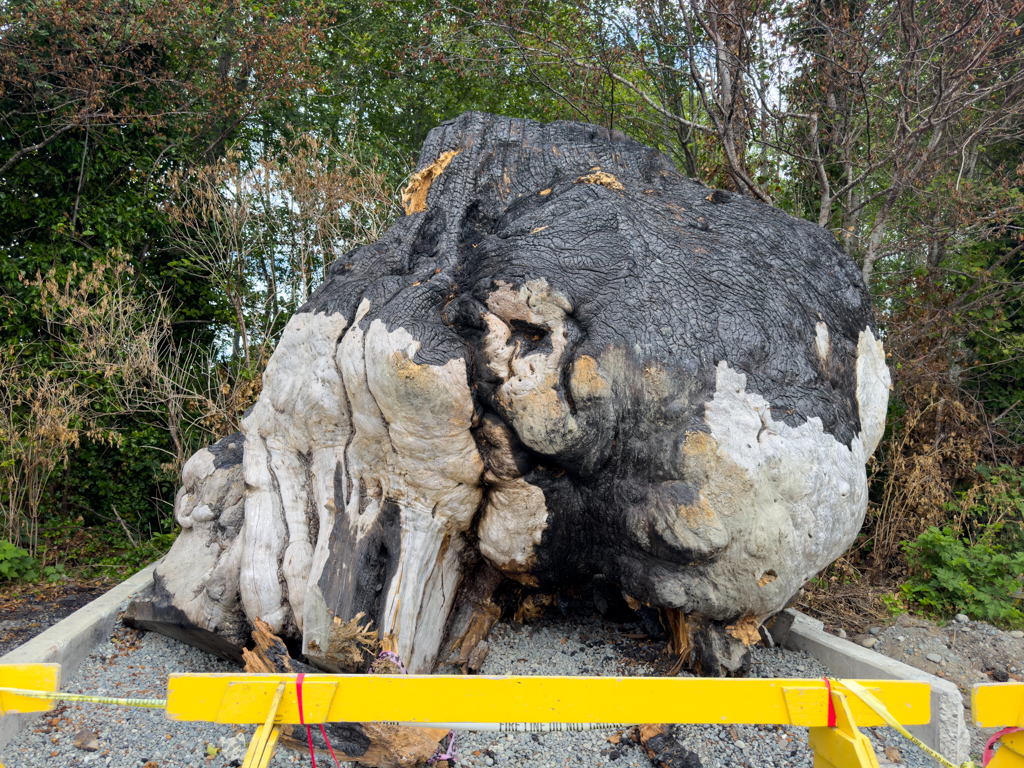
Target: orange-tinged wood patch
[414, 198]
[602, 178]
[745, 630]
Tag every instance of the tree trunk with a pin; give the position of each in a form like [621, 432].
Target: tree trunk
[566, 359]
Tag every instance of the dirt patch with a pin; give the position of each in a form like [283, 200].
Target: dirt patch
[964, 652]
[29, 609]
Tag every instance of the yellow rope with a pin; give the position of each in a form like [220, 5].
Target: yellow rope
[880, 709]
[56, 696]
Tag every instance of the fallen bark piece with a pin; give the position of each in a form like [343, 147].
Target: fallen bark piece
[87, 741]
[566, 360]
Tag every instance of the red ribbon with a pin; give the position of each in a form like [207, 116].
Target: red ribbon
[336, 761]
[302, 721]
[989, 748]
[309, 730]
[831, 705]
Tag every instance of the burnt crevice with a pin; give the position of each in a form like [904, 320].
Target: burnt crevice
[529, 338]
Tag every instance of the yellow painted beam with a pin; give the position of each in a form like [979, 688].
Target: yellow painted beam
[241, 698]
[998, 705]
[843, 746]
[264, 741]
[32, 677]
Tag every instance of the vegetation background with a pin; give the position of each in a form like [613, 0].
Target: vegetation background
[175, 177]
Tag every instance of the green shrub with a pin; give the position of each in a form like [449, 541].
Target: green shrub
[992, 507]
[16, 564]
[950, 576]
[54, 573]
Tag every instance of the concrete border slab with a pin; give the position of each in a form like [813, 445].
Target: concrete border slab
[946, 733]
[70, 640]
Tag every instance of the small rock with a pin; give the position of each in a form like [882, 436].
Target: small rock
[874, 630]
[741, 745]
[933, 657]
[999, 675]
[893, 754]
[842, 633]
[900, 639]
[869, 642]
[488, 761]
[87, 741]
[961, 618]
[1017, 634]
[233, 749]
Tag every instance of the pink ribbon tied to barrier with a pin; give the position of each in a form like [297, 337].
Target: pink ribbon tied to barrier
[990, 746]
[309, 730]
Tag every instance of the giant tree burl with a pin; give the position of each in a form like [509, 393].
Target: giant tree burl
[568, 359]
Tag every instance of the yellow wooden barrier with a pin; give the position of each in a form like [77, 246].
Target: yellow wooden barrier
[843, 745]
[35, 677]
[439, 699]
[999, 705]
[270, 701]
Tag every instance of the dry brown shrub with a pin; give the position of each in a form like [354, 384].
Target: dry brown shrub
[265, 232]
[941, 433]
[41, 420]
[933, 450]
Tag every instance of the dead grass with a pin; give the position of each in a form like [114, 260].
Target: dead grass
[845, 598]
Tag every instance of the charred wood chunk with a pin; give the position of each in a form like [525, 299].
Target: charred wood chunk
[565, 360]
[662, 747]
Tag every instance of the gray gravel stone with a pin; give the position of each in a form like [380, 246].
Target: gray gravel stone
[961, 618]
[131, 666]
[933, 657]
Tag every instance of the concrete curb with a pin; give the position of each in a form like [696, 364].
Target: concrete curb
[946, 733]
[70, 640]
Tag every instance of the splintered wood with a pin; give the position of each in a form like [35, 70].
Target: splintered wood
[679, 632]
[381, 745]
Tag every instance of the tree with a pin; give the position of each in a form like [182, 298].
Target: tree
[99, 102]
[199, 70]
[870, 106]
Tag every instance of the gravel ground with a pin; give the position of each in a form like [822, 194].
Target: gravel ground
[137, 664]
[593, 647]
[132, 664]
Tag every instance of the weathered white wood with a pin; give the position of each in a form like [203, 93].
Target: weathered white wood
[202, 573]
[298, 423]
